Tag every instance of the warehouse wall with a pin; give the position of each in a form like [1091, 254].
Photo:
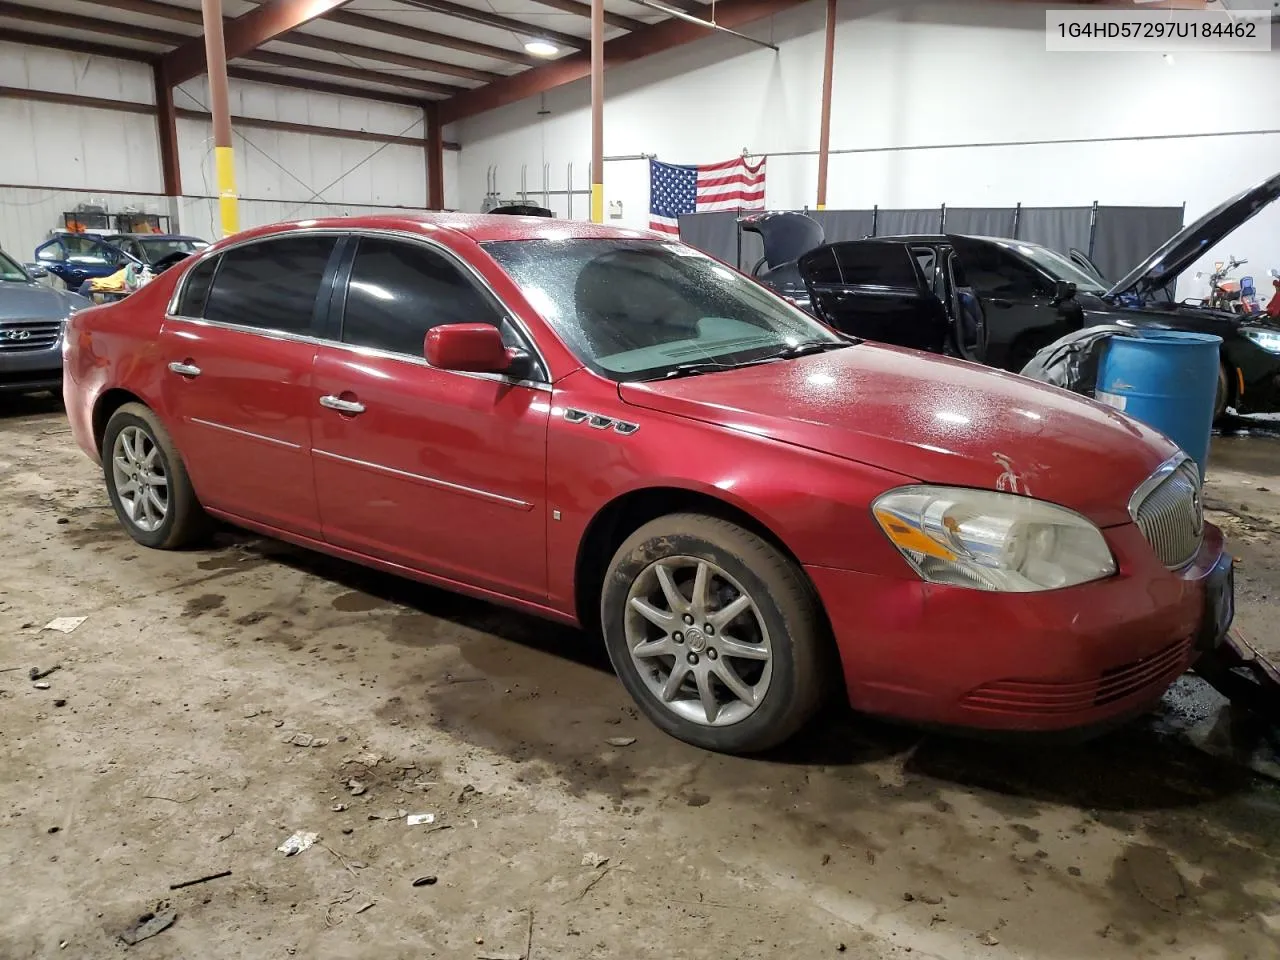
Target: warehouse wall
[285, 176]
[56, 156]
[910, 76]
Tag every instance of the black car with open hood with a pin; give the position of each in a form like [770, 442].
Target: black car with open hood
[998, 301]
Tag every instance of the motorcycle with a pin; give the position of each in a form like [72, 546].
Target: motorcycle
[1224, 294]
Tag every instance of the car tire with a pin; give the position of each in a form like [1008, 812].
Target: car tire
[739, 692]
[147, 481]
[1223, 395]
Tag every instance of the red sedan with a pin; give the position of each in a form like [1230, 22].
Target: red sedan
[613, 430]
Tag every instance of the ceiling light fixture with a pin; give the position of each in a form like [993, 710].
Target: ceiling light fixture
[541, 48]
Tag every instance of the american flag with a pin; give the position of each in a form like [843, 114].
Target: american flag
[675, 189]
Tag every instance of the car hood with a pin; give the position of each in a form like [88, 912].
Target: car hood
[34, 301]
[936, 420]
[1187, 246]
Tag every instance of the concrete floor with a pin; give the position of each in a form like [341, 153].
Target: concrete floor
[167, 761]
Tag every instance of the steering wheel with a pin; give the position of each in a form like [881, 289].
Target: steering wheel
[755, 271]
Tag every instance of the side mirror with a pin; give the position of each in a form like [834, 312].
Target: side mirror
[1062, 291]
[35, 271]
[469, 347]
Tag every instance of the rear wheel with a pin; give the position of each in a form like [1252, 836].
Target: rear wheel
[147, 481]
[714, 632]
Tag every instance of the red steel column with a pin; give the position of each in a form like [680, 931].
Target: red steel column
[435, 156]
[597, 111]
[215, 52]
[824, 133]
[167, 128]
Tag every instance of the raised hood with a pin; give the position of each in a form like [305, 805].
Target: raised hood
[936, 420]
[1186, 247]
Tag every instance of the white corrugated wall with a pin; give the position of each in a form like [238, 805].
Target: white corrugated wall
[55, 156]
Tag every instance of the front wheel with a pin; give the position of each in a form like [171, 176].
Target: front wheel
[714, 632]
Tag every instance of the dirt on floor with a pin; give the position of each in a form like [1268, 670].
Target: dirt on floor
[215, 703]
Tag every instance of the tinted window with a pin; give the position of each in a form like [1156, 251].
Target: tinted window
[196, 289]
[876, 264]
[820, 266]
[399, 291]
[272, 284]
[994, 272]
[928, 261]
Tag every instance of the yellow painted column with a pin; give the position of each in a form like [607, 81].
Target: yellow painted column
[228, 199]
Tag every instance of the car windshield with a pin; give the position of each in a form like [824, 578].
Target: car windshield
[9, 270]
[645, 309]
[1058, 266]
[158, 248]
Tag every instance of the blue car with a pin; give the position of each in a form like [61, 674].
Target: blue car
[75, 258]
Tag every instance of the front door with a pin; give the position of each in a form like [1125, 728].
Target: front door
[433, 470]
[876, 290]
[1016, 302]
[75, 257]
[238, 378]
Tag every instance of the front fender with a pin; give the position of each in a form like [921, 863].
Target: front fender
[815, 504]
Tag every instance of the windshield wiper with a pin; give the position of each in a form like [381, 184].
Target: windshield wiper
[693, 369]
[806, 347]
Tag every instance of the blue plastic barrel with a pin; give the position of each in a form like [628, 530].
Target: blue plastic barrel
[1169, 381]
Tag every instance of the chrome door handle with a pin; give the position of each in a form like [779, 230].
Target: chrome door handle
[342, 406]
[185, 369]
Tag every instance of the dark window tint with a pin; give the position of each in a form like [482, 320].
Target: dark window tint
[196, 289]
[994, 272]
[876, 264]
[399, 291]
[820, 266]
[272, 284]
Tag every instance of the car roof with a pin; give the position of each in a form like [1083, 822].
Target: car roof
[480, 227]
[154, 236]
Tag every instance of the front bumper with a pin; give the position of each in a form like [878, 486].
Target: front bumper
[1083, 657]
[39, 369]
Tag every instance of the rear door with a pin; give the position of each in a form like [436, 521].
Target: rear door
[238, 382]
[875, 289]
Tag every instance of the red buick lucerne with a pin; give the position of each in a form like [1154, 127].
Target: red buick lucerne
[610, 429]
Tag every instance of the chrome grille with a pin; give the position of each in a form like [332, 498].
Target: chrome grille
[1168, 510]
[20, 335]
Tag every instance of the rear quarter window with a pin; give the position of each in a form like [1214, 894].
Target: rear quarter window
[195, 288]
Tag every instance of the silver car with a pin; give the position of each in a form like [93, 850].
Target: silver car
[32, 320]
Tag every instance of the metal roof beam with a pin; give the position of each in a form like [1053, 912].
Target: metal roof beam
[518, 27]
[652, 39]
[418, 35]
[244, 34]
[74, 45]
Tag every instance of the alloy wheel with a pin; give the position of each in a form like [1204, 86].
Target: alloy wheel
[698, 641]
[140, 479]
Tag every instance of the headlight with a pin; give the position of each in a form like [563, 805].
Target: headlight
[1268, 340]
[992, 541]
